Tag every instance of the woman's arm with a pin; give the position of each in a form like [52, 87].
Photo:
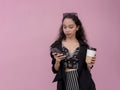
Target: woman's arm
[56, 59]
[57, 65]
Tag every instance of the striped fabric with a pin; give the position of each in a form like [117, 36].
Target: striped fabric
[72, 80]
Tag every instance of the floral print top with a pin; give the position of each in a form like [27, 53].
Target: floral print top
[71, 60]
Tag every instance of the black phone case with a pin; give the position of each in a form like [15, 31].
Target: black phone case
[55, 50]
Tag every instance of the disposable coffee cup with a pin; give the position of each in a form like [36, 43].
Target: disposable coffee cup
[91, 51]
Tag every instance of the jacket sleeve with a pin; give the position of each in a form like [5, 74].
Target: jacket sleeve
[53, 63]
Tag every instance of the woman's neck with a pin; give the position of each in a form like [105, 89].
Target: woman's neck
[71, 40]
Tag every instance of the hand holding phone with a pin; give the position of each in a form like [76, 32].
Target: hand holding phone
[58, 55]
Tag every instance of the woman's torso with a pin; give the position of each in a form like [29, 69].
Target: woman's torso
[70, 50]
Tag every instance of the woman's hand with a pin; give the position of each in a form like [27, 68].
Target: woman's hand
[90, 61]
[58, 56]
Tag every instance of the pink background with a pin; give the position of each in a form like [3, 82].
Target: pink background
[28, 27]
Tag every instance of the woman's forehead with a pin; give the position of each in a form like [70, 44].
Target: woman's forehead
[68, 21]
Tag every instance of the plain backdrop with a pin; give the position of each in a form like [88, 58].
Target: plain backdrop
[29, 27]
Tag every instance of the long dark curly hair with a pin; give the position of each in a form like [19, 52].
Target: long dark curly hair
[80, 33]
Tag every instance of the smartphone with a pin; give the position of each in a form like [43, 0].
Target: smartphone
[53, 50]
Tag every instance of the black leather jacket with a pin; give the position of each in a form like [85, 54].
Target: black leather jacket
[85, 80]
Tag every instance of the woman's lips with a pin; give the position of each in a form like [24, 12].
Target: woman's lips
[68, 33]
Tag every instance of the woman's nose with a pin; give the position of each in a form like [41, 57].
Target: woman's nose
[67, 30]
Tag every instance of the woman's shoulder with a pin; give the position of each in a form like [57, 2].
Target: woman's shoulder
[55, 44]
[85, 44]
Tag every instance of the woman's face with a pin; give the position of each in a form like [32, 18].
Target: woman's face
[69, 28]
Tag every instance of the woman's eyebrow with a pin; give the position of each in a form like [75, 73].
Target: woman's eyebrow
[68, 25]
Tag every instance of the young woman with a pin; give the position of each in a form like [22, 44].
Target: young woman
[69, 61]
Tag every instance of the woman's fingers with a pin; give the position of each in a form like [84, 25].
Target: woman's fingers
[58, 56]
[61, 56]
[93, 60]
[54, 53]
[90, 59]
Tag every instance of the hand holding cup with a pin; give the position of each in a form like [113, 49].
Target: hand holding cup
[91, 55]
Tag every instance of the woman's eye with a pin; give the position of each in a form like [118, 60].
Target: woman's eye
[71, 27]
[64, 27]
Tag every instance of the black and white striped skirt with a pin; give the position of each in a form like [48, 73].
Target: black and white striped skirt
[72, 80]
